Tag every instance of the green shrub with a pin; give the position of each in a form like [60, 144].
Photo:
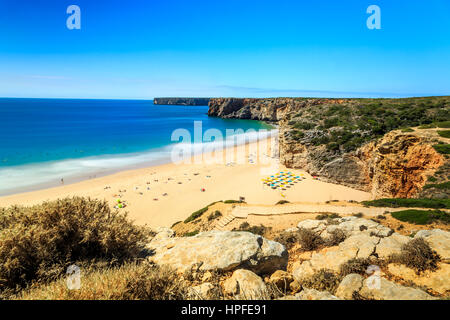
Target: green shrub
[191, 233]
[39, 242]
[418, 255]
[259, 230]
[440, 186]
[443, 124]
[407, 130]
[199, 213]
[358, 215]
[444, 133]
[282, 202]
[233, 201]
[427, 126]
[421, 217]
[442, 148]
[216, 214]
[412, 203]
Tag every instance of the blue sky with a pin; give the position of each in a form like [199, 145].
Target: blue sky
[140, 49]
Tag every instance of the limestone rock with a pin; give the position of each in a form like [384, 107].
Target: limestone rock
[313, 294]
[387, 290]
[314, 225]
[361, 245]
[351, 283]
[245, 284]
[391, 245]
[221, 250]
[438, 280]
[439, 240]
[202, 291]
[281, 279]
[163, 232]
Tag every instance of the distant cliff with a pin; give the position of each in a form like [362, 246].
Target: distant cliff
[182, 101]
[351, 141]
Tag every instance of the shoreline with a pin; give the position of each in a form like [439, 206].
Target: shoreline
[164, 194]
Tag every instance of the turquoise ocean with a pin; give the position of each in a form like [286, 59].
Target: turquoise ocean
[45, 140]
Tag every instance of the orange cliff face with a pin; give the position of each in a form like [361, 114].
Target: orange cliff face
[398, 164]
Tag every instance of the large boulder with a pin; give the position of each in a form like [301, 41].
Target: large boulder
[387, 290]
[246, 285]
[439, 240]
[219, 250]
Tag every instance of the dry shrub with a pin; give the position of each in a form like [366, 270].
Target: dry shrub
[322, 280]
[309, 240]
[355, 265]
[130, 281]
[337, 236]
[39, 242]
[418, 255]
[155, 283]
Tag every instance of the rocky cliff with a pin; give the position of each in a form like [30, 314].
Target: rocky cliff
[182, 101]
[353, 142]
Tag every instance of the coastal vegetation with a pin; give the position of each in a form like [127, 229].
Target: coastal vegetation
[422, 217]
[39, 242]
[346, 125]
[411, 203]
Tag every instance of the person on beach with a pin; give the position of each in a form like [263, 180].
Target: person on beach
[62, 181]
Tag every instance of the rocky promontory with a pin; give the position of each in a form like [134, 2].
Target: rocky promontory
[182, 101]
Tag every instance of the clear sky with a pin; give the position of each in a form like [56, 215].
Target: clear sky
[139, 49]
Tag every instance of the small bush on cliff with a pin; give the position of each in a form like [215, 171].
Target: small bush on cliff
[417, 254]
[259, 230]
[443, 124]
[216, 214]
[440, 186]
[39, 242]
[322, 280]
[442, 148]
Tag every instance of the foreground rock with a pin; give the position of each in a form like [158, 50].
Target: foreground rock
[439, 240]
[219, 250]
[387, 290]
[245, 285]
[349, 285]
[438, 280]
[312, 294]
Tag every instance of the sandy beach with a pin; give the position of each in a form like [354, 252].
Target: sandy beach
[162, 195]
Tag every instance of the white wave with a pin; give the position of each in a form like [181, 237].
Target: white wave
[29, 177]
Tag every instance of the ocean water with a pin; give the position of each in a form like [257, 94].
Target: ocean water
[45, 140]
